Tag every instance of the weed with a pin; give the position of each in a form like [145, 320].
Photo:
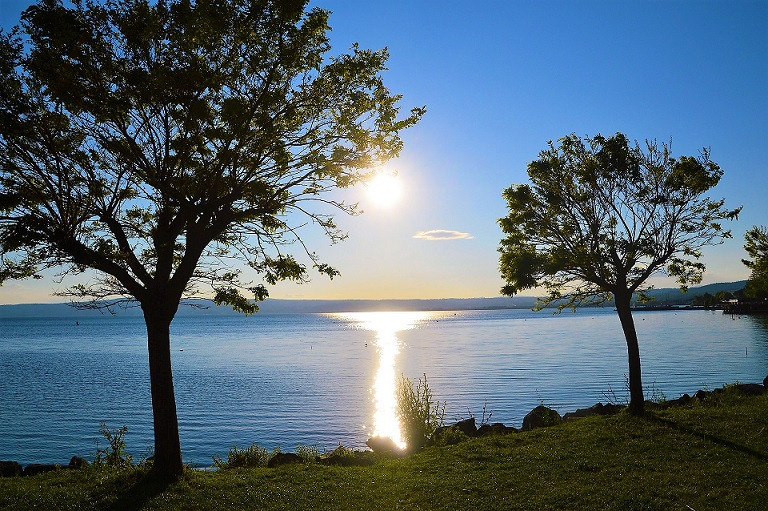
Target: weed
[308, 453]
[114, 455]
[419, 415]
[253, 456]
[656, 394]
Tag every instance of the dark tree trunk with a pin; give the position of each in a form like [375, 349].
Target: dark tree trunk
[167, 462]
[636, 399]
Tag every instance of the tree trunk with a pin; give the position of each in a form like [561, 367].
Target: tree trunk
[167, 462]
[636, 399]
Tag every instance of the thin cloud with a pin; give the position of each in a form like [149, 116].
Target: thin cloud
[442, 235]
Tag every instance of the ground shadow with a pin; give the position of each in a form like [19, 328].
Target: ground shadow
[707, 436]
[141, 492]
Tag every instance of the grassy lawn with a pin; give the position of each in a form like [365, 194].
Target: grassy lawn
[712, 455]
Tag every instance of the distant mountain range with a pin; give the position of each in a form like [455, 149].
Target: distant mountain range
[664, 296]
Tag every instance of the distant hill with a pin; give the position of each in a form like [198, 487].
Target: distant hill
[276, 306]
[665, 296]
[673, 296]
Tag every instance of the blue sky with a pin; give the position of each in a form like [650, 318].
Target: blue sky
[501, 78]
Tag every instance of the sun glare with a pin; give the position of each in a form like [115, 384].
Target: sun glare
[386, 325]
[384, 190]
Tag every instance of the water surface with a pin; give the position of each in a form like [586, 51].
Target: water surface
[314, 379]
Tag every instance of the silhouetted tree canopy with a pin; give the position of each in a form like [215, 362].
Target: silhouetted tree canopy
[600, 216]
[756, 245]
[159, 141]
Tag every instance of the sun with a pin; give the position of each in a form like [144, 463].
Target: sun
[384, 190]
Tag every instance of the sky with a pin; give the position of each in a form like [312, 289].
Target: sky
[501, 78]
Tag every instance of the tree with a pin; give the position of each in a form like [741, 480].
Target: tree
[156, 142]
[599, 217]
[756, 245]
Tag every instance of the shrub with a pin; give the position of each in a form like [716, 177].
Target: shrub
[419, 415]
[253, 456]
[114, 455]
[308, 453]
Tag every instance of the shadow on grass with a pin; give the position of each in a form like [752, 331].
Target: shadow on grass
[707, 436]
[137, 495]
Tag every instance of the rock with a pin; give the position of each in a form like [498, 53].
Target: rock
[10, 469]
[701, 395]
[284, 458]
[467, 426]
[596, 409]
[357, 459]
[382, 445]
[38, 468]
[751, 389]
[78, 462]
[541, 417]
[683, 400]
[765, 382]
[497, 428]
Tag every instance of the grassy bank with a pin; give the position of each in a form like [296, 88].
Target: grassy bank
[711, 455]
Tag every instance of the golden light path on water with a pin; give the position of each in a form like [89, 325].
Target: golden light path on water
[386, 325]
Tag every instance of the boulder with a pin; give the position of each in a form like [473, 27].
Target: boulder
[497, 428]
[383, 445]
[10, 469]
[78, 462]
[284, 458]
[596, 409]
[541, 417]
[38, 468]
[357, 459]
[701, 395]
[683, 400]
[765, 382]
[467, 426]
[750, 389]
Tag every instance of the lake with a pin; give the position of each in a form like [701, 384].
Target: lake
[324, 379]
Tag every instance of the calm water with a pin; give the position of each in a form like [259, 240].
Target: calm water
[316, 379]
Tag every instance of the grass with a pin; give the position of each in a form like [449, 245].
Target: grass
[712, 455]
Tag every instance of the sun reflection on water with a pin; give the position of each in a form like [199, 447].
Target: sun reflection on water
[386, 325]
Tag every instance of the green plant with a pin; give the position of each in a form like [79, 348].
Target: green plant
[656, 394]
[308, 453]
[114, 454]
[253, 456]
[419, 415]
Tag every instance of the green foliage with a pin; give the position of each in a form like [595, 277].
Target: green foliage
[419, 414]
[449, 436]
[756, 245]
[308, 453]
[253, 456]
[600, 216]
[155, 141]
[709, 456]
[114, 454]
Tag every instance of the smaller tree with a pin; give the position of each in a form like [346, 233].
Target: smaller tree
[756, 245]
[600, 217]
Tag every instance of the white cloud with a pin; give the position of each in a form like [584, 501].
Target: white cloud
[442, 235]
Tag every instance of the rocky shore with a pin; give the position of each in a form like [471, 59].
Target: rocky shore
[539, 417]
